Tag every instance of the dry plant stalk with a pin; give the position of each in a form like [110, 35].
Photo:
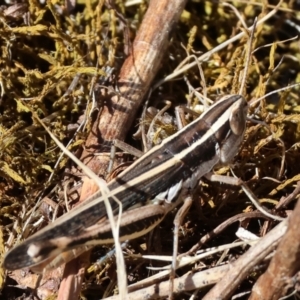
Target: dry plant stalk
[136, 75]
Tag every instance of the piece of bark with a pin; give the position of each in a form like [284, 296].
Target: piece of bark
[285, 264]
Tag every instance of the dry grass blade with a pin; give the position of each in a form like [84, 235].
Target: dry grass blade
[114, 225]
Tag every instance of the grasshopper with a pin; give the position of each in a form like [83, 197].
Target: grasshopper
[176, 165]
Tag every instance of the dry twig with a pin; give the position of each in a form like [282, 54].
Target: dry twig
[241, 267]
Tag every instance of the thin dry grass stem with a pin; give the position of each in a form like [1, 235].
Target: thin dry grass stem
[267, 5]
[207, 55]
[274, 43]
[187, 282]
[66, 196]
[284, 201]
[150, 129]
[201, 254]
[220, 228]
[257, 204]
[142, 129]
[258, 100]
[185, 261]
[239, 16]
[203, 99]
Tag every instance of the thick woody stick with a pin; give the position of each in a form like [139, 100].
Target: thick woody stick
[135, 78]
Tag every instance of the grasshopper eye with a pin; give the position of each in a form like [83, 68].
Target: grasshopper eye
[237, 120]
